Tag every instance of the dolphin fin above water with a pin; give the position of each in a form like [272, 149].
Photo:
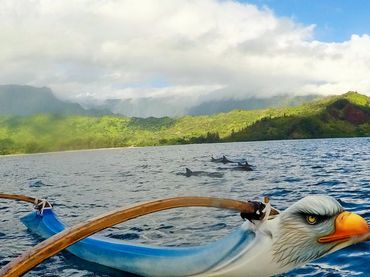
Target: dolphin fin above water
[188, 172]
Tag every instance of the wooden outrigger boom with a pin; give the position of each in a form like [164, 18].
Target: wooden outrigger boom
[23, 198]
[68, 237]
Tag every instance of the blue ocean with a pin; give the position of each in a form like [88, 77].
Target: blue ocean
[84, 184]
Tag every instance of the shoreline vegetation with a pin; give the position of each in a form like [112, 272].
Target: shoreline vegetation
[347, 115]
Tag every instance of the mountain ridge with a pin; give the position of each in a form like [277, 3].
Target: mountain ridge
[26, 100]
[347, 115]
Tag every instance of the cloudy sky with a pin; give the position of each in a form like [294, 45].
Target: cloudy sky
[187, 50]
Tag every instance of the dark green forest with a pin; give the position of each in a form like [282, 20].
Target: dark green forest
[347, 115]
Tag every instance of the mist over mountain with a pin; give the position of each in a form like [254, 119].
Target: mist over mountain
[143, 107]
[253, 103]
[28, 100]
[175, 107]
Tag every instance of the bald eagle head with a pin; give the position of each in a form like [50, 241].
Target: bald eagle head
[314, 227]
[309, 229]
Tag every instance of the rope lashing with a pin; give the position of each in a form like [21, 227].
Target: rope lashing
[263, 211]
[39, 204]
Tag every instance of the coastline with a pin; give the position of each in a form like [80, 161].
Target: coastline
[130, 147]
[69, 151]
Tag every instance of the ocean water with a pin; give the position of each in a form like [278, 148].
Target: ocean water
[84, 184]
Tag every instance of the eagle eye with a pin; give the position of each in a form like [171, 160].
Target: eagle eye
[312, 219]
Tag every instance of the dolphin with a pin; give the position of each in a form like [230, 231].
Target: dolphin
[216, 160]
[223, 160]
[240, 167]
[246, 167]
[190, 173]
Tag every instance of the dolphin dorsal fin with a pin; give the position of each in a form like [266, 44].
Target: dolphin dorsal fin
[188, 171]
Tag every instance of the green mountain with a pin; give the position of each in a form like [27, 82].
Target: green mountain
[27, 100]
[347, 115]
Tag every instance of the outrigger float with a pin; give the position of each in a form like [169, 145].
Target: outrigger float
[269, 242]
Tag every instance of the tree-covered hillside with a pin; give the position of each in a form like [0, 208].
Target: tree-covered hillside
[338, 116]
[346, 116]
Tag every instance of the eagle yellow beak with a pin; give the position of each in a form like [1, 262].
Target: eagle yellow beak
[347, 225]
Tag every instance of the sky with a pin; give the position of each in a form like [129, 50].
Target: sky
[334, 20]
[189, 51]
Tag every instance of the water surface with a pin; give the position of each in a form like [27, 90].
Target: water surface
[87, 183]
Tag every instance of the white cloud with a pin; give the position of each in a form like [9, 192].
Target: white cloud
[194, 49]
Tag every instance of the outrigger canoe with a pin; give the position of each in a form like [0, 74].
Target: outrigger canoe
[262, 246]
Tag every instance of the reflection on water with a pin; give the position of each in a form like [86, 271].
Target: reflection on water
[87, 183]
